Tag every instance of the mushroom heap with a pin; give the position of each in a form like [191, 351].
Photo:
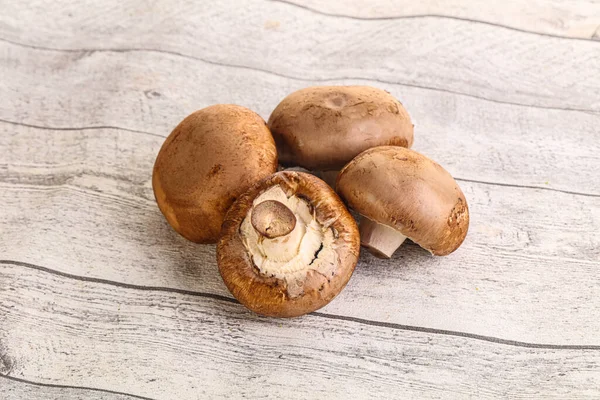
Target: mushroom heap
[286, 242]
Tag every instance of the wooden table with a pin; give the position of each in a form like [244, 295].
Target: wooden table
[100, 299]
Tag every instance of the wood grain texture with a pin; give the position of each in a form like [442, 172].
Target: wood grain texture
[580, 19]
[473, 139]
[18, 389]
[86, 333]
[73, 185]
[445, 55]
[101, 299]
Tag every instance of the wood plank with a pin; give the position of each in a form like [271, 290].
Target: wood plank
[119, 164]
[473, 139]
[81, 202]
[495, 285]
[575, 19]
[477, 60]
[91, 334]
[101, 296]
[17, 389]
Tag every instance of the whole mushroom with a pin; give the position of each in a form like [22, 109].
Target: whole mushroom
[322, 128]
[401, 194]
[288, 245]
[209, 160]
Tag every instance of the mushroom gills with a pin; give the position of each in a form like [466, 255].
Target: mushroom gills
[309, 246]
[381, 240]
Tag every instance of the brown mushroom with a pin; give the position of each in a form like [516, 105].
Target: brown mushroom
[401, 194]
[322, 128]
[302, 266]
[210, 159]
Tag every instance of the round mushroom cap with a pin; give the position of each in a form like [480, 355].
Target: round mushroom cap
[209, 160]
[409, 192]
[324, 127]
[295, 273]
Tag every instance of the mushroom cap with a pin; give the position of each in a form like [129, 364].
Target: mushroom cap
[409, 192]
[272, 295]
[210, 159]
[324, 127]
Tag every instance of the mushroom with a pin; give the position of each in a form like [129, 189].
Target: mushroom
[288, 245]
[322, 128]
[401, 194]
[209, 160]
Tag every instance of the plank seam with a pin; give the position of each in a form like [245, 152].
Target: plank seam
[435, 16]
[514, 185]
[83, 128]
[389, 325]
[58, 386]
[74, 129]
[324, 80]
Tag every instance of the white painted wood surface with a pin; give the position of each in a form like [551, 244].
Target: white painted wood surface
[580, 19]
[184, 346]
[99, 298]
[442, 55]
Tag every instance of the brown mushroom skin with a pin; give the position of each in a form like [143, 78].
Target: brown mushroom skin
[268, 295]
[423, 200]
[210, 159]
[324, 127]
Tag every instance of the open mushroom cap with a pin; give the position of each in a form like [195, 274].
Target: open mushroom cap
[399, 190]
[210, 159]
[302, 266]
[324, 127]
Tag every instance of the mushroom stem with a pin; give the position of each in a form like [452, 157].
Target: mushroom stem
[274, 247]
[381, 240]
[273, 219]
[330, 177]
